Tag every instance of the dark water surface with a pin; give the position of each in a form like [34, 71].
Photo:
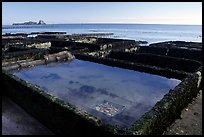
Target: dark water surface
[117, 96]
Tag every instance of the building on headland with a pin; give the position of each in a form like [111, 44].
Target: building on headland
[41, 22]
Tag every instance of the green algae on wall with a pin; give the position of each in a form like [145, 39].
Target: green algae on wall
[168, 109]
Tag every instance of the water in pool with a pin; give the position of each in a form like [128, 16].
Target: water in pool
[117, 96]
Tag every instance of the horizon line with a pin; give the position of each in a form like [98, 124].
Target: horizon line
[113, 23]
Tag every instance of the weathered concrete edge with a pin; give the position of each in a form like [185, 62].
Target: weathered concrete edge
[60, 117]
[155, 121]
[135, 66]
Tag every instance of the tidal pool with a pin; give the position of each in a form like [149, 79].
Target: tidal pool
[117, 96]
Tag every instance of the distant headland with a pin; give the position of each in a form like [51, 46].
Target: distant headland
[41, 22]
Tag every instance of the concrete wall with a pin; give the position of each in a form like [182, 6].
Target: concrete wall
[109, 40]
[178, 44]
[192, 54]
[60, 117]
[32, 53]
[63, 118]
[158, 60]
[166, 72]
[100, 44]
[91, 47]
[169, 108]
[185, 53]
[153, 50]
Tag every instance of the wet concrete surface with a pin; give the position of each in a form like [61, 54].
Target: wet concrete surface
[191, 119]
[15, 121]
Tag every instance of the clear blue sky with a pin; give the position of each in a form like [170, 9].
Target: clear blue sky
[103, 12]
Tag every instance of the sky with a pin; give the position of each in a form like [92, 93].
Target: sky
[103, 12]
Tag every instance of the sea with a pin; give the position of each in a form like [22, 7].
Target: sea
[151, 33]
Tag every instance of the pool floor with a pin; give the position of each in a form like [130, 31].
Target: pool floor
[117, 96]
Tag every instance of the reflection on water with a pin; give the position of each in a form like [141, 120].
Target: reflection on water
[117, 96]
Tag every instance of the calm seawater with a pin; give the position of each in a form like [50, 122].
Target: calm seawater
[91, 86]
[149, 32]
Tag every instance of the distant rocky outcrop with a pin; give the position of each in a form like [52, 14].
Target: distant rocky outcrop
[41, 22]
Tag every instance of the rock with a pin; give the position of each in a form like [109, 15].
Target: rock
[26, 23]
[30, 23]
[41, 22]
